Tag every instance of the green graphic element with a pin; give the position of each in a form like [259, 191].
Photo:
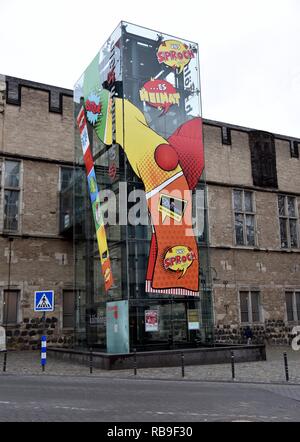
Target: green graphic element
[97, 212]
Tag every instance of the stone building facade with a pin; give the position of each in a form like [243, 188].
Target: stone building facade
[253, 191]
[36, 153]
[253, 182]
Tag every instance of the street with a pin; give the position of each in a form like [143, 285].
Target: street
[41, 398]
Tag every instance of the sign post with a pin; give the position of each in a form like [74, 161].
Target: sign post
[3, 346]
[44, 302]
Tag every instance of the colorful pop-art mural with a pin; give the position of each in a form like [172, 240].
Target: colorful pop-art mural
[168, 163]
[95, 200]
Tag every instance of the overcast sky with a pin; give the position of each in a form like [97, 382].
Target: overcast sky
[249, 49]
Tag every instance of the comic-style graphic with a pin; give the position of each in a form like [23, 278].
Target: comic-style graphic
[175, 54]
[95, 200]
[163, 145]
[169, 170]
[160, 94]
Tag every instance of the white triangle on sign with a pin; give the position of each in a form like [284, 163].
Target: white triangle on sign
[44, 302]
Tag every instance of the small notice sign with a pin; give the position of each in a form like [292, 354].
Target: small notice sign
[151, 320]
[193, 319]
[2, 339]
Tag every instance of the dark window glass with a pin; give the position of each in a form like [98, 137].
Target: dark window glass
[255, 306]
[68, 308]
[297, 294]
[291, 206]
[293, 233]
[250, 230]
[248, 202]
[263, 159]
[289, 306]
[239, 229]
[288, 221]
[11, 210]
[66, 177]
[281, 205]
[244, 304]
[238, 205]
[10, 308]
[12, 174]
[294, 149]
[283, 232]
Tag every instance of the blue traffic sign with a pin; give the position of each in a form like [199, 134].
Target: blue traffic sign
[44, 301]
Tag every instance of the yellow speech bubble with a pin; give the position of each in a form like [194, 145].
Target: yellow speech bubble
[175, 54]
[179, 259]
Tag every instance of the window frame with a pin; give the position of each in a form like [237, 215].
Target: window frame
[250, 306]
[68, 314]
[244, 213]
[4, 188]
[296, 314]
[18, 306]
[287, 217]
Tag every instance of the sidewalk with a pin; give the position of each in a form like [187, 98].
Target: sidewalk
[272, 370]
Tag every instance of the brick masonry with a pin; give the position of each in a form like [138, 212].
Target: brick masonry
[41, 259]
[266, 268]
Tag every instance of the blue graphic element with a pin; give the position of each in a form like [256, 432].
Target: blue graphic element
[92, 101]
[93, 188]
[84, 138]
[44, 301]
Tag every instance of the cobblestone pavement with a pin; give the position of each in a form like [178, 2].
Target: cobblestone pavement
[272, 370]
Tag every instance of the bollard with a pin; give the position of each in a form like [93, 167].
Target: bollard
[91, 360]
[43, 352]
[286, 367]
[232, 366]
[182, 364]
[134, 362]
[4, 360]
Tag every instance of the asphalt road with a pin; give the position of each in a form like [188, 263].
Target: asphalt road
[83, 399]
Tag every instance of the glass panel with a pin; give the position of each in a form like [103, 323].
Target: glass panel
[244, 302]
[283, 234]
[68, 308]
[293, 233]
[255, 306]
[289, 306]
[237, 196]
[250, 230]
[291, 206]
[239, 229]
[66, 177]
[11, 210]
[281, 205]
[10, 310]
[12, 173]
[297, 294]
[248, 202]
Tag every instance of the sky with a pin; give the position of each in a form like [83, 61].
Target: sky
[249, 49]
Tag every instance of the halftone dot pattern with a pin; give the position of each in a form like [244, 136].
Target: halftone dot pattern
[171, 235]
[188, 143]
[151, 174]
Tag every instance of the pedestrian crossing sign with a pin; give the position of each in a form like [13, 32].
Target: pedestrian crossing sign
[44, 301]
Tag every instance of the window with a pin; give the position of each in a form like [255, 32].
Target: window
[11, 188]
[226, 135]
[10, 307]
[250, 306]
[263, 159]
[68, 308]
[66, 175]
[294, 147]
[244, 220]
[292, 301]
[288, 220]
